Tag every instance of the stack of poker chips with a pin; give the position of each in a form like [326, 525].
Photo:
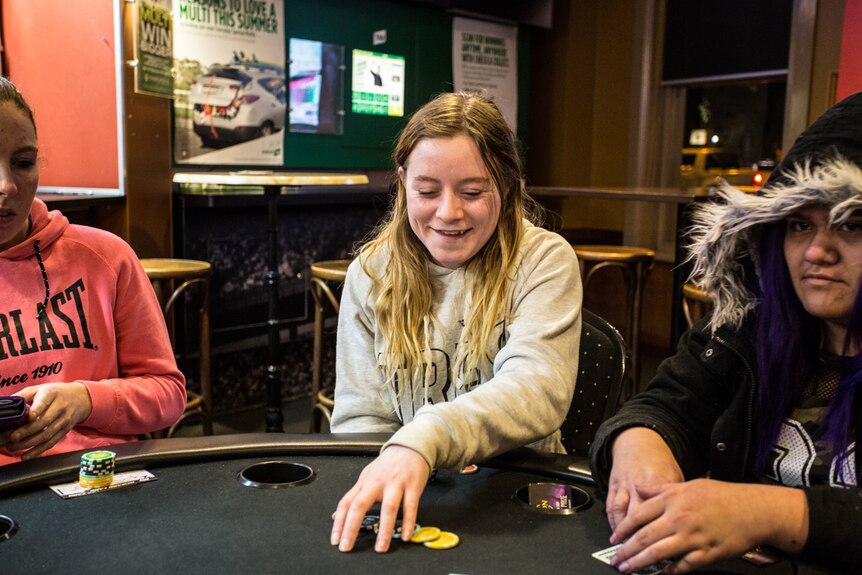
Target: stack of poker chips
[430, 537]
[97, 469]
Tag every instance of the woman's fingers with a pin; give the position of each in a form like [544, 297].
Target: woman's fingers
[395, 479]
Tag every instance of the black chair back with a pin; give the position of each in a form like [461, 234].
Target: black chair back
[601, 371]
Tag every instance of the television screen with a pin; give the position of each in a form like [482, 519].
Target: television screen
[378, 84]
[315, 87]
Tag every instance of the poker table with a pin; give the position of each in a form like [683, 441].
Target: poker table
[198, 516]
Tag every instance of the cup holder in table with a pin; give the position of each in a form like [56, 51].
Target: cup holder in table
[8, 528]
[552, 498]
[276, 474]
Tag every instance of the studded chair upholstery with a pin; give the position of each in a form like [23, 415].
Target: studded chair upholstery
[601, 372]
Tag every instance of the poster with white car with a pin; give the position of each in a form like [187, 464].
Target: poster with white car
[230, 98]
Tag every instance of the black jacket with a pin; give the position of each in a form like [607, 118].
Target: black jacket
[702, 403]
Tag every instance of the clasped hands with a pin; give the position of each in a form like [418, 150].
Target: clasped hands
[657, 516]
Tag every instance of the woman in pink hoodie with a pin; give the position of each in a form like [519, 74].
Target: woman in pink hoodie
[82, 337]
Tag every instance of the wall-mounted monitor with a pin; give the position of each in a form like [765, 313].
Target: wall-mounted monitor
[377, 84]
[316, 80]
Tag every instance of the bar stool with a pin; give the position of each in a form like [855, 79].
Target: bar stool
[165, 273]
[323, 272]
[696, 303]
[635, 264]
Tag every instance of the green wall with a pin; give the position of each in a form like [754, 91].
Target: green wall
[423, 35]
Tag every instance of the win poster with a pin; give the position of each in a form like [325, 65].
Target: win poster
[230, 98]
[154, 48]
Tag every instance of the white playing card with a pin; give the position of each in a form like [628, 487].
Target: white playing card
[605, 554]
[605, 557]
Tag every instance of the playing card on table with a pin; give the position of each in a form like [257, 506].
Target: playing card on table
[605, 557]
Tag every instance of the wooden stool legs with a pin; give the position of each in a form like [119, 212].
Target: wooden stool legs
[635, 264]
[201, 405]
[696, 303]
[164, 273]
[322, 398]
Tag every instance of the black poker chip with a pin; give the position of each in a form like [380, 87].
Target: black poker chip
[370, 523]
[396, 532]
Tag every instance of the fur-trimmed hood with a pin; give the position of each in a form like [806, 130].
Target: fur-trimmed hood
[824, 167]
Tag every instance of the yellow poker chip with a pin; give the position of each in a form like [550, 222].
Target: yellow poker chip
[92, 483]
[446, 540]
[425, 534]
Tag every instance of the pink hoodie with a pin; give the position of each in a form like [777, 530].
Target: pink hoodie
[103, 327]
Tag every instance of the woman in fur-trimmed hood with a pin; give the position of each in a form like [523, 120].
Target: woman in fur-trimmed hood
[763, 395]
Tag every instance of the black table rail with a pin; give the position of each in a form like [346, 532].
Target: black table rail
[64, 467]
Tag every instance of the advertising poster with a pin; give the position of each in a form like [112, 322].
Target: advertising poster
[230, 96]
[485, 57]
[154, 44]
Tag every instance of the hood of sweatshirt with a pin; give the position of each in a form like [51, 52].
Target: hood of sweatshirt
[47, 227]
[824, 166]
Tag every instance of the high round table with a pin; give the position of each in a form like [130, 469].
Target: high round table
[197, 517]
[273, 185]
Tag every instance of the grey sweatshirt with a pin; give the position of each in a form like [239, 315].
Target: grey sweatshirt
[522, 391]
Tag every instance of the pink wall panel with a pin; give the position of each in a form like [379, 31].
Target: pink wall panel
[60, 54]
[850, 66]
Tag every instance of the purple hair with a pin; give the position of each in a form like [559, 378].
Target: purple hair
[788, 344]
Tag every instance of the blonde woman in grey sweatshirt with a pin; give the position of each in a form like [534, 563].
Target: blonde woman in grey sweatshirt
[460, 320]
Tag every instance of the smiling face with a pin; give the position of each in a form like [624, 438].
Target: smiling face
[19, 174]
[452, 204]
[825, 266]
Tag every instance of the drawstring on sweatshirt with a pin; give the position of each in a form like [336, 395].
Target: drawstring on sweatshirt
[44, 279]
[428, 359]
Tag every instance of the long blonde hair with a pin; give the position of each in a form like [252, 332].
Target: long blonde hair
[404, 296]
